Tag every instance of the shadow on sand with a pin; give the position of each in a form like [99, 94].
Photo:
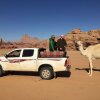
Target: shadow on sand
[21, 73]
[87, 69]
[58, 74]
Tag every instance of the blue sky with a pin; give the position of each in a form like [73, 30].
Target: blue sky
[42, 18]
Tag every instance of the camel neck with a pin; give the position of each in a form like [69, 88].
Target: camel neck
[81, 49]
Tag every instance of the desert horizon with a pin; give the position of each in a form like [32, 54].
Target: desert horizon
[88, 38]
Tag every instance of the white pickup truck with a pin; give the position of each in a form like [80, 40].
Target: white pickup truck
[33, 59]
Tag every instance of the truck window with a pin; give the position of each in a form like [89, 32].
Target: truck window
[41, 50]
[15, 53]
[27, 53]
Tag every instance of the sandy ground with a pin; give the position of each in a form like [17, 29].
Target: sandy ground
[79, 86]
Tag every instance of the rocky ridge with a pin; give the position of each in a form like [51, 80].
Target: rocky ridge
[89, 38]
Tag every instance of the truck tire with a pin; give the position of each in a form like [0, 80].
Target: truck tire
[1, 72]
[46, 73]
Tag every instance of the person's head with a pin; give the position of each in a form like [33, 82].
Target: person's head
[53, 37]
[62, 36]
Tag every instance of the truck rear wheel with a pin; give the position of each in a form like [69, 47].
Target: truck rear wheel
[46, 73]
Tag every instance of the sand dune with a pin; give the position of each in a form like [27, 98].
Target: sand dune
[79, 86]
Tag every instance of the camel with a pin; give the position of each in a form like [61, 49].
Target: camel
[92, 52]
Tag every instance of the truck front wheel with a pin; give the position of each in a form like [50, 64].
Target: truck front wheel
[46, 73]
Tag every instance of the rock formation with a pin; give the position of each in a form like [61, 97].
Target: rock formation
[88, 38]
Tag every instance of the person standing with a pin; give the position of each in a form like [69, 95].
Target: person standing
[61, 44]
[52, 44]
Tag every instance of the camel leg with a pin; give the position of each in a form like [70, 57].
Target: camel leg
[91, 66]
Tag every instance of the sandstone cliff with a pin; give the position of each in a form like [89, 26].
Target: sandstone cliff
[89, 38]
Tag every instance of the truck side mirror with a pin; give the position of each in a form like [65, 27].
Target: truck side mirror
[6, 56]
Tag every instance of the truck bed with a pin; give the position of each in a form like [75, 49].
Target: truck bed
[55, 54]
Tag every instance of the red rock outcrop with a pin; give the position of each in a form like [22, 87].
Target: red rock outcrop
[27, 39]
[89, 38]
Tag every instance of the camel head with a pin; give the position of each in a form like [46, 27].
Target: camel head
[79, 43]
[80, 47]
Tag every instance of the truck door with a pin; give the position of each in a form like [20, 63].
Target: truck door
[27, 61]
[12, 60]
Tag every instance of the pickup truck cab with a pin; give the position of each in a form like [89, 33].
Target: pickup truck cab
[33, 59]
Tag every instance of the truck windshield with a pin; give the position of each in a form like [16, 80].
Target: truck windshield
[15, 53]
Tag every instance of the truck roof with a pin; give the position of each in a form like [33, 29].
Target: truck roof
[30, 48]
